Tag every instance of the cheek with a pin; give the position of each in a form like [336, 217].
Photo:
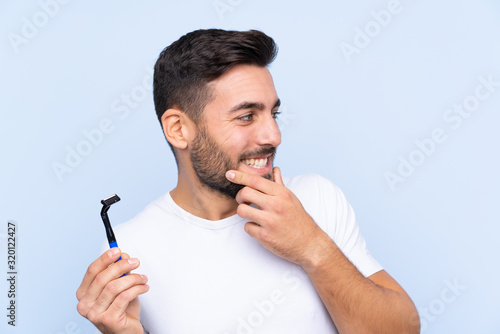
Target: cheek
[236, 142]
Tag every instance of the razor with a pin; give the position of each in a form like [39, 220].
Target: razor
[106, 204]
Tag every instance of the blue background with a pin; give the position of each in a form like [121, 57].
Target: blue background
[68, 68]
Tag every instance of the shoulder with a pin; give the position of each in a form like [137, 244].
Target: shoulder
[305, 181]
[313, 186]
[324, 201]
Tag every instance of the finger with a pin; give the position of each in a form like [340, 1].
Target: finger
[105, 276]
[249, 195]
[252, 229]
[121, 302]
[125, 256]
[250, 213]
[277, 176]
[116, 287]
[253, 181]
[102, 262]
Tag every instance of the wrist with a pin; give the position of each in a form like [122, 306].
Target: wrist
[320, 253]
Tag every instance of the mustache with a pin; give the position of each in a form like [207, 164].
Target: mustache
[259, 152]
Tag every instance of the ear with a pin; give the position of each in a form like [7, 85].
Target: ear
[178, 128]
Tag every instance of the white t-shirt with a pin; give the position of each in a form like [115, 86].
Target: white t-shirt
[211, 277]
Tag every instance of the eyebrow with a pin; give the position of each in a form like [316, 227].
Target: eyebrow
[253, 105]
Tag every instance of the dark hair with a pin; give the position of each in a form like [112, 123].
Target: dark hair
[184, 69]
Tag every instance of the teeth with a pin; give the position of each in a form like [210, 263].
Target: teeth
[255, 163]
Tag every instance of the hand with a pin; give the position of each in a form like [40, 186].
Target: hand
[108, 300]
[280, 223]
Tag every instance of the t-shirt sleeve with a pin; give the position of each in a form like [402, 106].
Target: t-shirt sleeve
[345, 231]
[333, 213]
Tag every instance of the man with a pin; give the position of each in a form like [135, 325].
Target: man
[235, 247]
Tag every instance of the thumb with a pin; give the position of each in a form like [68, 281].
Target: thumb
[277, 176]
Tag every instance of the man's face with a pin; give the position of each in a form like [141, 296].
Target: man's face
[238, 130]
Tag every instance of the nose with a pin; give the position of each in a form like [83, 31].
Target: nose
[268, 133]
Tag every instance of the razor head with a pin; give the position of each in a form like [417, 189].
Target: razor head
[110, 200]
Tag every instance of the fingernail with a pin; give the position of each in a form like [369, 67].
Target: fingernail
[230, 175]
[133, 261]
[114, 252]
[144, 277]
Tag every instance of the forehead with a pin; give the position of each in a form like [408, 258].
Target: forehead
[243, 83]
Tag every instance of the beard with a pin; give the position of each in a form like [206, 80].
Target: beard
[211, 162]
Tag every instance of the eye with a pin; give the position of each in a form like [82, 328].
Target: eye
[246, 118]
[276, 114]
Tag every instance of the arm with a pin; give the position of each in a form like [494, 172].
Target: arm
[109, 300]
[377, 304]
[356, 304]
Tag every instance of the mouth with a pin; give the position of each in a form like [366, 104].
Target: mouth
[258, 162]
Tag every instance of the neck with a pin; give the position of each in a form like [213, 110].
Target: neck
[201, 200]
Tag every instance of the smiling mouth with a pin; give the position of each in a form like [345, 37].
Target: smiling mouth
[256, 163]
